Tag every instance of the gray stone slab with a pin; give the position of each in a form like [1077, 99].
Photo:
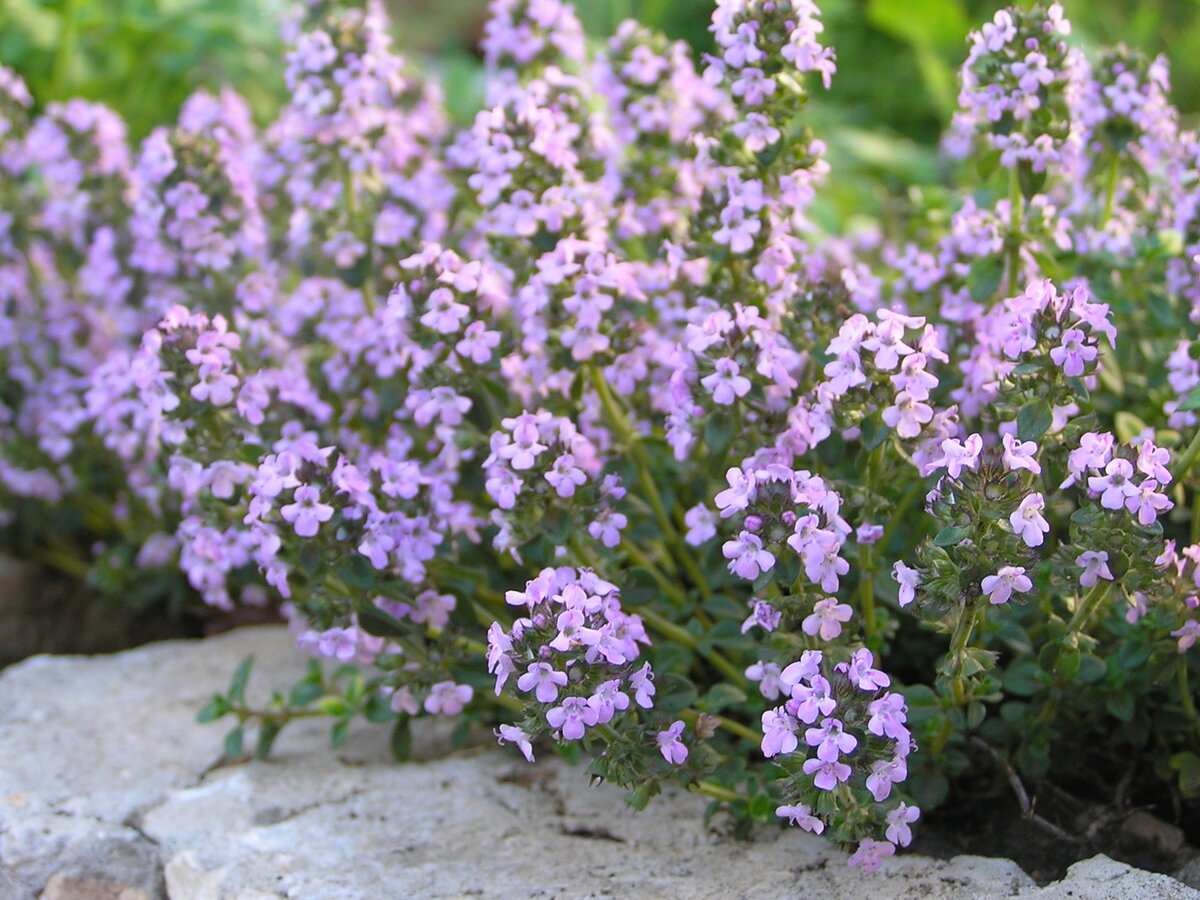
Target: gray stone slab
[107, 787]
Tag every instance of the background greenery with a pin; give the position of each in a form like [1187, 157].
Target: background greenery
[893, 93]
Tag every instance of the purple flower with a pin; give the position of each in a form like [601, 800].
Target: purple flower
[571, 632]
[1147, 502]
[870, 854]
[1115, 486]
[726, 384]
[564, 476]
[862, 673]
[1188, 634]
[1018, 455]
[701, 524]
[543, 680]
[958, 455]
[868, 533]
[607, 527]
[883, 774]
[763, 614]
[672, 748]
[888, 717]
[1028, 522]
[572, 717]
[827, 618]
[642, 682]
[1152, 461]
[1072, 355]
[511, 734]
[1000, 587]
[811, 700]
[779, 733]
[747, 556]
[830, 739]
[898, 821]
[1095, 566]
[607, 700]
[767, 675]
[909, 580]
[448, 698]
[806, 668]
[738, 495]
[801, 815]
[307, 512]
[907, 414]
[827, 774]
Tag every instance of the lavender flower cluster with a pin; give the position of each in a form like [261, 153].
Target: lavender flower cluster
[575, 416]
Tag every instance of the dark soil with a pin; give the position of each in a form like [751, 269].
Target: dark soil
[44, 613]
[1067, 828]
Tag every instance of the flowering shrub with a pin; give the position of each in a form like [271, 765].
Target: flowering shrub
[571, 421]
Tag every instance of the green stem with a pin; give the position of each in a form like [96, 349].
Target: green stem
[1087, 606]
[866, 592]
[1184, 465]
[1015, 214]
[642, 463]
[716, 791]
[1082, 615]
[64, 53]
[664, 584]
[1110, 189]
[681, 635]
[742, 731]
[1185, 694]
[898, 514]
[352, 208]
[1196, 519]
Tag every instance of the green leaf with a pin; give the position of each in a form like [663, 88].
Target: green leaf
[216, 708]
[378, 709]
[983, 280]
[1068, 662]
[375, 621]
[237, 687]
[401, 741]
[305, 693]
[1023, 678]
[1091, 669]
[1034, 419]
[1033, 760]
[251, 453]
[874, 432]
[333, 706]
[951, 535]
[939, 22]
[1191, 401]
[233, 743]
[1120, 706]
[720, 696]
[718, 433]
[357, 572]
[267, 732]
[729, 635]
[929, 788]
[675, 693]
[1127, 425]
[976, 713]
[337, 734]
[640, 588]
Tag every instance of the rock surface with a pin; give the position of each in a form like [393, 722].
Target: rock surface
[107, 791]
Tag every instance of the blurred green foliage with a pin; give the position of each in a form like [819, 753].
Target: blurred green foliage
[892, 96]
[144, 57]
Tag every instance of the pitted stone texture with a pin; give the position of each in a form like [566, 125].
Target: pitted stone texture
[107, 782]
